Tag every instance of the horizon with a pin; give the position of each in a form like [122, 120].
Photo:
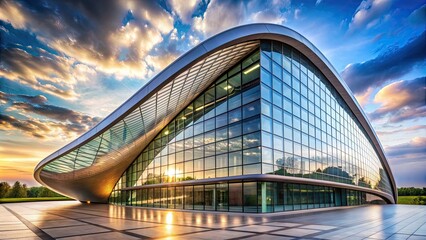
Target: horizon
[65, 67]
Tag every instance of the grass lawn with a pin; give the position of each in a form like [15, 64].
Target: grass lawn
[15, 200]
[407, 199]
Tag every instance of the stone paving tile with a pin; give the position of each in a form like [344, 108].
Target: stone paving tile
[57, 223]
[165, 231]
[380, 235]
[268, 237]
[296, 232]
[120, 224]
[369, 222]
[74, 230]
[421, 230]
[109, 236]
[9, 227]
[256, 228]
[41, 217]
[17, 234]
[65, 215]
[318, 227]
[282, 224]
[25, 238]
[416, 237]
[213, 234]
[398, 236]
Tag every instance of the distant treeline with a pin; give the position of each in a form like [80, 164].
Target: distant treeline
[19, 190]
[411, 191]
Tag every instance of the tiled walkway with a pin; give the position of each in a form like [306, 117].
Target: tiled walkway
[73, 220]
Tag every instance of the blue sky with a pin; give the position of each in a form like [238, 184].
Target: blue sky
[67, 64]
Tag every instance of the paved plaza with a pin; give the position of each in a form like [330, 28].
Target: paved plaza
[73, 220]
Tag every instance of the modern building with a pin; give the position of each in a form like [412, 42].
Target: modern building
[254, 119]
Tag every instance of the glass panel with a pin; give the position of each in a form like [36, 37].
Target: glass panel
[189, 191]
[236, 197]
[199, 197]
[250, 196]
[222, 197]
[210, 197]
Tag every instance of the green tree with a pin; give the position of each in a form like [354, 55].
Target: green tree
[45, 192]
[18, 190]
[4, 188]
[33, 191]
[411, 191]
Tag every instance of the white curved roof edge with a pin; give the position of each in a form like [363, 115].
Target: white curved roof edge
[232, 36]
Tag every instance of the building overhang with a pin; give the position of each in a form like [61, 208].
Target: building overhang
[93, 174]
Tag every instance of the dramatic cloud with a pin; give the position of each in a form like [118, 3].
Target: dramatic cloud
[184, 9]
[42, 129]
[369, 13]
[408, 162]
[407, 129]
[400, 101]
[69, 123]
[390, 65]
[55, 112]
[5, 98]
[415, 150]
[44, 72]
[217, 17]
[95, 33]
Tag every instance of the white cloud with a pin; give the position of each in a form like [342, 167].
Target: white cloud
[268, 16]
[193, 40]
[297, 12]
[174, 35]
[222, 15]
[219, 16]
[97, 39]
[184, 9]
[369, 13]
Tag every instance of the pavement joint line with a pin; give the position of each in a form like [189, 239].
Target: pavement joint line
[388, 223]
[37, 231]
[101, 226]
[128, 219]
[417, 230]
[413, 216]
[183, 234]
[350, 225]
[272, 232]
[63, 226]
[134, 220]
[135, 234]
[97, 225]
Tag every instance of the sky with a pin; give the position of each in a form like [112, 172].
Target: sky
[65, 65]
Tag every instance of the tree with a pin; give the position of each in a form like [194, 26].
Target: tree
[4, 188]
[33, 191]
[45, 192]
[18, 190]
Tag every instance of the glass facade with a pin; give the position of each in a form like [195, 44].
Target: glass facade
[272, 113]
[307, 129]
[217, 135]
[250, 197]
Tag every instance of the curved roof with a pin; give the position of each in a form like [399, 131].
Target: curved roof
[88, 167]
